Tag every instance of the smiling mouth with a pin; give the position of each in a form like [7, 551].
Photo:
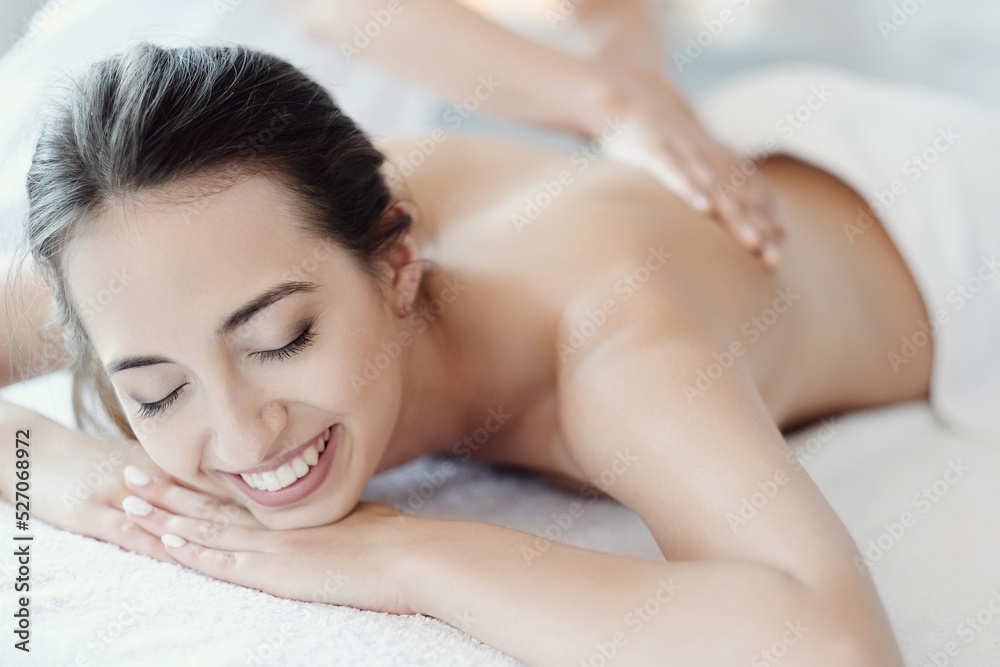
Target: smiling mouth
[291, 471]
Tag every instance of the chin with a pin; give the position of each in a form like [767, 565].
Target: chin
[301, 517]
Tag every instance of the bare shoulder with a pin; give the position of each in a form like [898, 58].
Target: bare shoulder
[451, 176]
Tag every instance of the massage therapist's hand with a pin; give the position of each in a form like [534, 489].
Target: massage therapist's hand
[663, 134]
[350, 562]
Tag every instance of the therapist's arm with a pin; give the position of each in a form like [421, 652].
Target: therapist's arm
[457, 52]
[625, 31]
[621, 93]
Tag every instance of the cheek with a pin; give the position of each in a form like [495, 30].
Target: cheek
[175, 454]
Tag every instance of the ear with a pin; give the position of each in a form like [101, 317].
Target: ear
[404, 266]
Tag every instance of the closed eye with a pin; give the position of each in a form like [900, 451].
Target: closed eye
[304, 340]
[296, 346]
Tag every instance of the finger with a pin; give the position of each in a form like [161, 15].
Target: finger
[219, 534]
[665, 169]
[167, 494]
[771, 208]
[696, 169]
[236, 567]
[757, 200]
[112, 525]
[735, 219]
[768, 248]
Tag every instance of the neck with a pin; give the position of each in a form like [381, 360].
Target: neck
[439, 382]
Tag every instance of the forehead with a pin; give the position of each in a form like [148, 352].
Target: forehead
[149, 268]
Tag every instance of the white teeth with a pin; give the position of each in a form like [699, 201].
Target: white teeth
[289, 472]
[311, 455]
[270, 480]
[286, 475]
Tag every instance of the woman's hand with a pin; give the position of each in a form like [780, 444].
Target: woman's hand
[353, 562]
[664, 135]
[76, 484]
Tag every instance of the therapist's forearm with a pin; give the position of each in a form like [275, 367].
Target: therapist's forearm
[626, 31]
[457, 53]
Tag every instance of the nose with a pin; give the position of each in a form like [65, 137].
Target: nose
[246, 427]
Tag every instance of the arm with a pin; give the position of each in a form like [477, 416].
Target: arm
[511, 75]
[25, 353]
[788, 575]
[527, 80]
[625, 31]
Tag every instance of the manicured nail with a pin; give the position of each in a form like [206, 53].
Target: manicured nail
[700, 202]
[749, 234]
[136, 506]
[135, 475]
[770, 254]
[172, 540]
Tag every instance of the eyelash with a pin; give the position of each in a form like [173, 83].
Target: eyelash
[296, 346]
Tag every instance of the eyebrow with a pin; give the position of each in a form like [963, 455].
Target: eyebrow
[238, 318]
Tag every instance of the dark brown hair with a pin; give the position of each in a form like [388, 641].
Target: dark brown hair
[153, 116]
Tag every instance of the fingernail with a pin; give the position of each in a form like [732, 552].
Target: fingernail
[172, 540]
[136, 505]
[771, 254]
[749, 234]
[135, 475]
[699, 202]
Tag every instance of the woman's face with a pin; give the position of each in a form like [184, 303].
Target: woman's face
[216, 383]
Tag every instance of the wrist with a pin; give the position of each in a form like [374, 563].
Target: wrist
[412, 565]
[600, 101]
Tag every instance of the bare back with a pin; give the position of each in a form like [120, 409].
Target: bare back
[534, 231]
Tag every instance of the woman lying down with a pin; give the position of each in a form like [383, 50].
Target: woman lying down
[293, 316]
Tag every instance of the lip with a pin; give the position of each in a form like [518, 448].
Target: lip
[300, 488]
[282, 459]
